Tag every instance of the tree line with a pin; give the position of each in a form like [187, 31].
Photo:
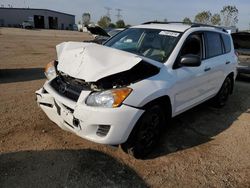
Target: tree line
[228, 16]
[104, 22]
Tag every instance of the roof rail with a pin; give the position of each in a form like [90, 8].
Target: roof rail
[157, 22]
[207, 25]
[191, 24]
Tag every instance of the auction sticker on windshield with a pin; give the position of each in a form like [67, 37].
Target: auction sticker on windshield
[168, 33]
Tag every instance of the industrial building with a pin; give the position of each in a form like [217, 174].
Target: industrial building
[40, 18]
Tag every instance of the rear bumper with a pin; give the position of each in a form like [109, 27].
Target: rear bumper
[101, 125]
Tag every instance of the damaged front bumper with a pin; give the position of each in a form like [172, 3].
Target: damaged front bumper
[102, 125]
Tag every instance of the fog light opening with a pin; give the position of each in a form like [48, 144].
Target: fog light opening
[102, 130]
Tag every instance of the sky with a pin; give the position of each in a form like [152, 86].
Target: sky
[138, 11]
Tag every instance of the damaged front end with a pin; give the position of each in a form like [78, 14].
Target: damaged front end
[71, 96]
[72, 76]
[137, 73]
[72, 87]
[69, 87]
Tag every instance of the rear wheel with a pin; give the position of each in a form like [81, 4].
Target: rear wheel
[146, 132]
[222, 96]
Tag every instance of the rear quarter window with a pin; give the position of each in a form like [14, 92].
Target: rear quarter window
[213, 44]
[227, 43]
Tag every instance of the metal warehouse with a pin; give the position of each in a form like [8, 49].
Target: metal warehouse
[41, 18]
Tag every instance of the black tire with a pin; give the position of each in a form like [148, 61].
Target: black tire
[221, 98]
[145, 134]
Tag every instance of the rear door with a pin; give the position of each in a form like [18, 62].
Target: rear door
[215, 61]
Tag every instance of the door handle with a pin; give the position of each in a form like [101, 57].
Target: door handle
[207, 69]
[228, 62]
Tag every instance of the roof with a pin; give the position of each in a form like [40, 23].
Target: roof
[176, 26]
[36, 9]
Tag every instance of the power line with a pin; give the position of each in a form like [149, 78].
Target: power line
[108, 11]
[119, 16]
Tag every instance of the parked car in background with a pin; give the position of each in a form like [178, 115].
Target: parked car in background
[75, 27]
[242, 46]
[114, 31]
[244, 67]
[125, 91]
[27, 25]
[102, 35]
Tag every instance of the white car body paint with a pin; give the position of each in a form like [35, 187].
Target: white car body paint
[186, 87]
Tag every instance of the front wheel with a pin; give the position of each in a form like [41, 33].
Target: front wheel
[145, 134]
[222, 96]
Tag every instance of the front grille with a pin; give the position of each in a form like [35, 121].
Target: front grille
[69, 87]
[102, 130]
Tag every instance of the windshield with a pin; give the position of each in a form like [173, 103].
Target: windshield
[151, 43]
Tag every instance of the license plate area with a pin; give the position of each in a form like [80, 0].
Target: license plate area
[67, 116]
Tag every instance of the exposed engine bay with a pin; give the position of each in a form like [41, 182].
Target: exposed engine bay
[72, 87]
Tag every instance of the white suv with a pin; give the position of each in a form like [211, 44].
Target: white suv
[124, 92]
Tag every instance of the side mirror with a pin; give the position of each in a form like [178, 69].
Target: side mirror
[190, 60]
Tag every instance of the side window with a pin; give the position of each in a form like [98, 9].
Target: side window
[227, 43]
[214, 45]
[192, 45]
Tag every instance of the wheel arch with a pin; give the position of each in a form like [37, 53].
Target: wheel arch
[130, 145]
[164, 102]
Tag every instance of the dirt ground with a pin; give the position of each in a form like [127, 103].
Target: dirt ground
[204, 147]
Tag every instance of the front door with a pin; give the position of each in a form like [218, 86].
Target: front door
[191, 85]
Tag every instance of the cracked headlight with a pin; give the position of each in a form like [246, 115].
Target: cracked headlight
[50, 70]
[111, 98]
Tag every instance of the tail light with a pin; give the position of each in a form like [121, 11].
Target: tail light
[236, 53]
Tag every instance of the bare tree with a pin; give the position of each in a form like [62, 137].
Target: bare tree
[229, 15]
[86, 19]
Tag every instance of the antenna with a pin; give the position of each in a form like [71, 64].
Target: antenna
[108, 11]
[119, 16]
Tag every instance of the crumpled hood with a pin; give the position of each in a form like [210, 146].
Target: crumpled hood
[91, 62]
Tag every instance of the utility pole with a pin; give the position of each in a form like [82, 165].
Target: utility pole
[108, 11]
[119, 16]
